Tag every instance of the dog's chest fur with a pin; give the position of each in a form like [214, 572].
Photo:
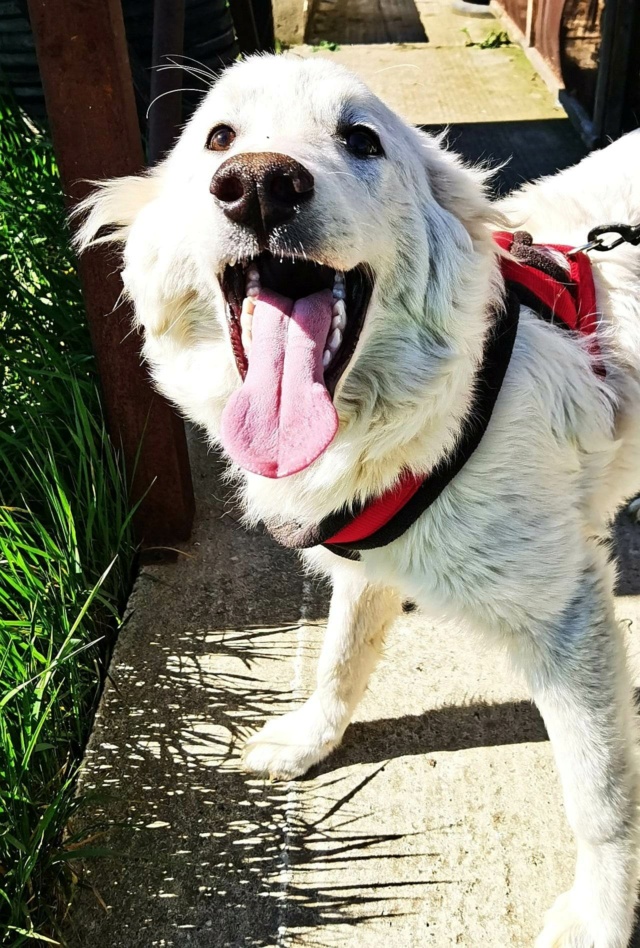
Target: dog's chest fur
[500, 544]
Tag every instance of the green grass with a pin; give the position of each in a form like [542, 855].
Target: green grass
[326, 46]
[65, 543]
[494, 39]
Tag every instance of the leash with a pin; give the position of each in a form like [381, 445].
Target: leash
[627, 234]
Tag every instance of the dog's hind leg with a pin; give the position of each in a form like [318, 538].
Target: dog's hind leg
[579, 680]
[359, 616]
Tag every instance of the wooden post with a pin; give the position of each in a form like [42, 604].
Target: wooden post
[530, 20]
[82, 53]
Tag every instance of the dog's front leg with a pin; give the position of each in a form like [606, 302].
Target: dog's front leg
[580, 684]
[359, 616]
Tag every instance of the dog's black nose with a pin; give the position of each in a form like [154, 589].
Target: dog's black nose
[261, 190]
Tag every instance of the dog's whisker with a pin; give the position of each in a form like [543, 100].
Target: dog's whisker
[121, 297]
[191, 70]
[198, 63]
[347, 174]
[169, 92]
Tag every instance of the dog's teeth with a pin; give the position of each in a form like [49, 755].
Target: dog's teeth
[339, 320]
[326, 358]
[338, 278]
[334, 340]
[246, 323]
[339, 291]
[252, 280]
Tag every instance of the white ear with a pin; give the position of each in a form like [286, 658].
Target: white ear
[459, 188]
[114, 204]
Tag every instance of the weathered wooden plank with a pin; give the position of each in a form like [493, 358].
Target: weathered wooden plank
[518, 11]
[546, 32]
[85, 71]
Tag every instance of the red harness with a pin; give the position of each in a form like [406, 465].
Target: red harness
[564, 297]
[572, 299]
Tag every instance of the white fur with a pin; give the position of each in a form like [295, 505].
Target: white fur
[514, 544]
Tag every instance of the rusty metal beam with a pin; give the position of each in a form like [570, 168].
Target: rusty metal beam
[86, 77]
[165, 114]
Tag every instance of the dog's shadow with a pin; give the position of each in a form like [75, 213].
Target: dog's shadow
[450, 728]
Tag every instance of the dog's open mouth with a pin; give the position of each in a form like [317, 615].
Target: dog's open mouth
[294, 326]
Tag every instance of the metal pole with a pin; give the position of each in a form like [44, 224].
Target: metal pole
[165, 115]
[244, 23]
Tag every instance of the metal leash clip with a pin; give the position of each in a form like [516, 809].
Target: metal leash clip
[627, 234]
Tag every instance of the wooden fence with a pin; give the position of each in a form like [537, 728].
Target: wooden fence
[589, 50]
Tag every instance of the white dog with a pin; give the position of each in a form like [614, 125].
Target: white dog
[303, 238]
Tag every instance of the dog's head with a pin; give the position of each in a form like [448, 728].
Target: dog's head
[302, 261]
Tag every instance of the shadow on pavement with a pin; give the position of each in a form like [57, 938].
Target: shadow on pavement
[199, 852]
[451, 728]
[359, 21]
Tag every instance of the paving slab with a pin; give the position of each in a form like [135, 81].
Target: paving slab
[365, 21]
[439, 85]
[395, 21]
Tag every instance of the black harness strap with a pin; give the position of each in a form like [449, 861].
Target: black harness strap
[489, 379]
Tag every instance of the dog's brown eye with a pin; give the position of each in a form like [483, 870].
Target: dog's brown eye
[363, 142]
[221, 138]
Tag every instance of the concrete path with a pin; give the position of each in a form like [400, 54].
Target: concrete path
[439, 821]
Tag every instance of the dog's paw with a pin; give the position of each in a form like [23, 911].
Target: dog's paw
[288, 746]
[563, 928]
[567, 927]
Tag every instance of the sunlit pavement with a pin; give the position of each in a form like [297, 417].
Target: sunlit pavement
[439, 820]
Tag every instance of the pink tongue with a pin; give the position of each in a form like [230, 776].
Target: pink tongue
[283, 418]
